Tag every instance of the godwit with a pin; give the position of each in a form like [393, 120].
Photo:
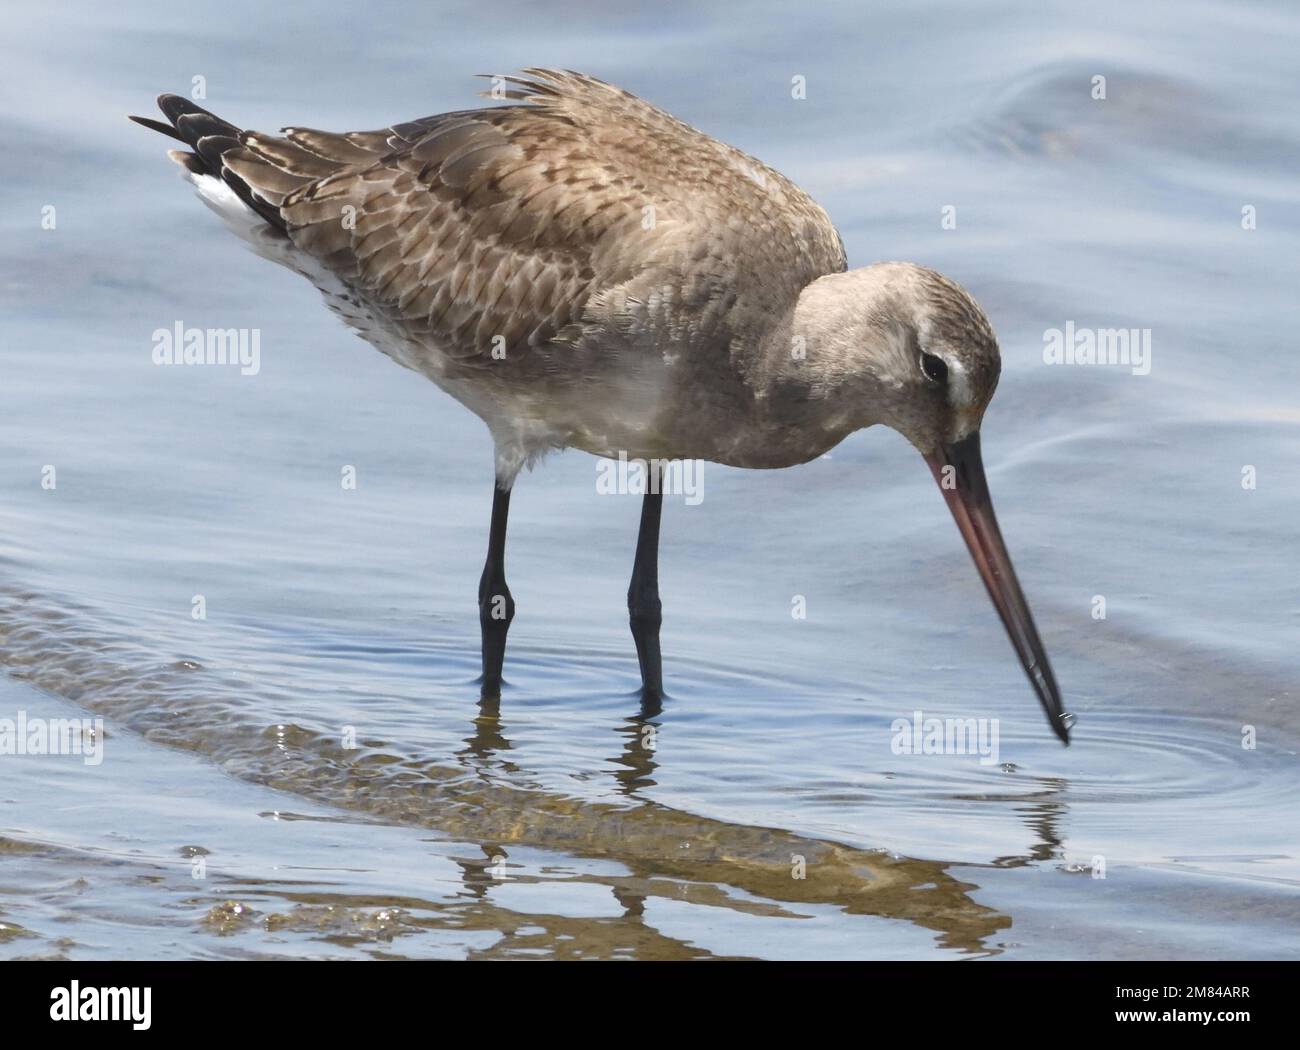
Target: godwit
[582, 270]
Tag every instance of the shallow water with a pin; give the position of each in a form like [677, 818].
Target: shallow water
[567, 821]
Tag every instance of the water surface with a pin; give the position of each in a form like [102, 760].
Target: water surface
[567, 821]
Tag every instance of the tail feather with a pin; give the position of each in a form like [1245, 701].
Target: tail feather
[217, 143]
[263, 170]
[193, 121]
[159, 126]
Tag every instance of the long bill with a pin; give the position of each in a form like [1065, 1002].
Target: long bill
[959, 470]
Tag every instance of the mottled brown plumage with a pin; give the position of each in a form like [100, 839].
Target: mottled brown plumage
[578, 221]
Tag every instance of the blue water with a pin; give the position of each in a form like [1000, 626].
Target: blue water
[565, 823]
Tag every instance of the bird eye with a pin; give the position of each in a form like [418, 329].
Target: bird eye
[934, 368]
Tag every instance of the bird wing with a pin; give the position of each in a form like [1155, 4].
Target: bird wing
[575, 207]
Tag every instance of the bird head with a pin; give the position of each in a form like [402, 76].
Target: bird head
[904, 346]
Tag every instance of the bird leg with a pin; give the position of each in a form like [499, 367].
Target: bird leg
[645, 611]
[496, 608]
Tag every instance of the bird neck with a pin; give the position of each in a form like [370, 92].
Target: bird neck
[806, 372]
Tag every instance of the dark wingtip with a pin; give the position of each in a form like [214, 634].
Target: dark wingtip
[174, 105]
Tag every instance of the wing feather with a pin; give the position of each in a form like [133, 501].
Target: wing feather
[576, 212]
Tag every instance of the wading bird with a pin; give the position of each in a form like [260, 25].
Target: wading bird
[582, 270]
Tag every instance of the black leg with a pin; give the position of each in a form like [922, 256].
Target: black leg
[496, 608]
[644, 608]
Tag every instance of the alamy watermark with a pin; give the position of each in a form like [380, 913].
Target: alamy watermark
[1098, 346]
[637, 477]
[946, 736]
[179, 345]
[72, 1002]
[53, 736]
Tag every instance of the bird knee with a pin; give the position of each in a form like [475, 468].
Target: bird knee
[645, 613]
